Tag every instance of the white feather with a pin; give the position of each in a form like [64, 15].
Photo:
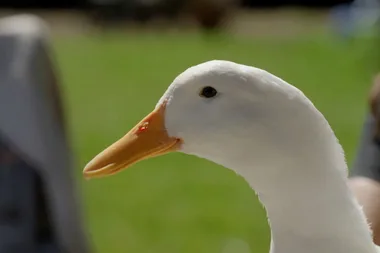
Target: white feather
[271, 134]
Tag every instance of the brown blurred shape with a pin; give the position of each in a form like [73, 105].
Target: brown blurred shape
[374, 102]
[210, 14]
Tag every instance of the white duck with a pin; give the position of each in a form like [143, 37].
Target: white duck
[267, 131]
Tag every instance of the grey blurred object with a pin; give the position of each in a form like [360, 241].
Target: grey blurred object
[358, 17]
[367, 161]
[39, 206]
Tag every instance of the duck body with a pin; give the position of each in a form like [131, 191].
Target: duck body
[267, 131]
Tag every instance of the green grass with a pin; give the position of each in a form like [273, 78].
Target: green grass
[179, 203]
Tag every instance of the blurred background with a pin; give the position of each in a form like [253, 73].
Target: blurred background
[115, 59]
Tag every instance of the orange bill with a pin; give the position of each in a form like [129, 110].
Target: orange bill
[147, 139]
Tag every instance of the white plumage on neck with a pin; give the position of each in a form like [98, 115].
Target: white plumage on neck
[311, 209]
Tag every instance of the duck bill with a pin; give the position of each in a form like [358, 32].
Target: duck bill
[147, 139]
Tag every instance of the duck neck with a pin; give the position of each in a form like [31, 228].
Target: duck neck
[311, 209]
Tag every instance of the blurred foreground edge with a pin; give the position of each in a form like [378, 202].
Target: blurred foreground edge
[39, 205]
[367, 160]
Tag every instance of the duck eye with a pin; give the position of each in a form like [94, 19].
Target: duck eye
[208, 92]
